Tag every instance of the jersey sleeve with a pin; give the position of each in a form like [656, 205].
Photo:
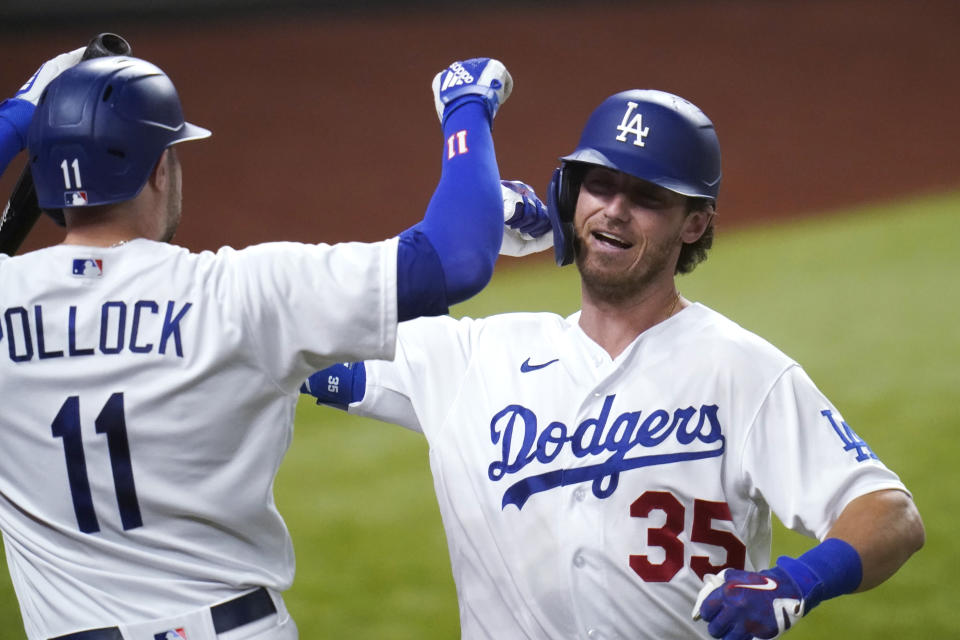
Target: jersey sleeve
[805, 461]
[417, 388]
[306, 307]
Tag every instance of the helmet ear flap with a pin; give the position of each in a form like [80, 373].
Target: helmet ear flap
[569, 180]
[561, 204]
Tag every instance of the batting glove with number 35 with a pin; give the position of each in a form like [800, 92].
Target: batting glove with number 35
[740, 605]
[526, 227]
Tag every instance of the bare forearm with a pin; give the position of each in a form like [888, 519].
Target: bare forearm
[885, 528]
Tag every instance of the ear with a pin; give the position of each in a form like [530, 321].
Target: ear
[696, 223]
[161, 172]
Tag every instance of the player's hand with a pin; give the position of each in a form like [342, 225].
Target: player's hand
[740, 605]
[526, 227]
[485, 78]
[32, 88]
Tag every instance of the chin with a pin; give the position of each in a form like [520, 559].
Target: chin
[616, 280]
[609, 285]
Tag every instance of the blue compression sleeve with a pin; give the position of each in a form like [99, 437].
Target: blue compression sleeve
[15, 116]
[463, 223]
[337, 386]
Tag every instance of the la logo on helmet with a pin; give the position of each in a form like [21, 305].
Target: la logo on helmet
[632, 125]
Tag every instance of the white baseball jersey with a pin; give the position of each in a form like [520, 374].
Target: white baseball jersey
[148, 396]
[585, 497]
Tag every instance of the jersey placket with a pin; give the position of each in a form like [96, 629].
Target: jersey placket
[584, 522]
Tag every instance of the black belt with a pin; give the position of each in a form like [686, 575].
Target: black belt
[227, 616]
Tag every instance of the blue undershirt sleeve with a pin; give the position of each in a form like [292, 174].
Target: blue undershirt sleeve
[418, 273]
[463, 225]
[449, 255]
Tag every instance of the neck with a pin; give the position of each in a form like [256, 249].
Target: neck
[109, 238]
[614, 325]
[105, 226]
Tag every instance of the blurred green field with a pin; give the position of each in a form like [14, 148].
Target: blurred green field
[867, 301]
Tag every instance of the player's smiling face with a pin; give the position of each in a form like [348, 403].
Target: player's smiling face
[628, 233]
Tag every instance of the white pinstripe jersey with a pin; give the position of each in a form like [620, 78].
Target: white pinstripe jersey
[585, 497]
[148, 399]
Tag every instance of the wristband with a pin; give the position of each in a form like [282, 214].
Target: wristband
[830, 569]
[338, 386]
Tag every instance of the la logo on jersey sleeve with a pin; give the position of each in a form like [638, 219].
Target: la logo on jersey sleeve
[851, 441]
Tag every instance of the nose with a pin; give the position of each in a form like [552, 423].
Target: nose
[618, 207]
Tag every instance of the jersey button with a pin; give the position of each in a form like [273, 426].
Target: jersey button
[579, 494]
[579, 560]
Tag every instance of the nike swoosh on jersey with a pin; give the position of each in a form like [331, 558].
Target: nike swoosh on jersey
[526, 367]
[769, 585]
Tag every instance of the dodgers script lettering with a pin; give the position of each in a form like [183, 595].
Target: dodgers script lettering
[515, 429]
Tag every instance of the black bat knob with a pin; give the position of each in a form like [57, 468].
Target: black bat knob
[107, 44]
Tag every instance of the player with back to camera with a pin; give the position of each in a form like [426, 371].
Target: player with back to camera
[603, 475]
[149, 392]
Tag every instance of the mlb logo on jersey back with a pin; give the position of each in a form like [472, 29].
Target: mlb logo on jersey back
[172, 634]
[87, 267]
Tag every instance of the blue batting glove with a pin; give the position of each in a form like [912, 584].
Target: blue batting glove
[18, 110]
[527, 227]
[529, 214]
[32, 88]
[740, 605]
[744, 604]
[483, 79]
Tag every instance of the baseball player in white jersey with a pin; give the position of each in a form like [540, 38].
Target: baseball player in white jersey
[149, 392]
[612, 474]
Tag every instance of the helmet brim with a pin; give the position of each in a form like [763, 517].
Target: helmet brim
[192, 132]
[645, 170]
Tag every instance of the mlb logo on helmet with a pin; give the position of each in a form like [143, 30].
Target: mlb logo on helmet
[75, 198]
[172, 634]
[87, 267]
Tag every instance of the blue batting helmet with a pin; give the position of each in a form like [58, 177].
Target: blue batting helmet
[99, 129]
[648, 134]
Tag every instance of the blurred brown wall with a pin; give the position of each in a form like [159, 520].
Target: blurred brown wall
[325, 130]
